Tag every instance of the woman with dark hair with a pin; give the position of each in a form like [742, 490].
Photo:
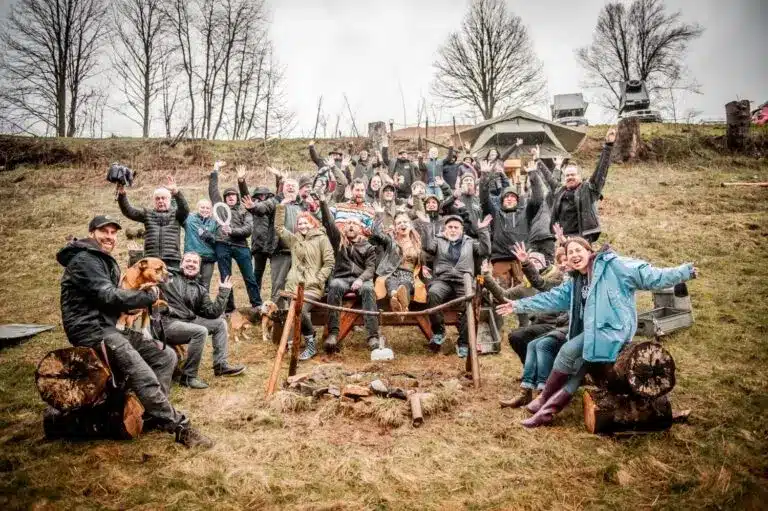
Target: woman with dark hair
[311, 263]
[600, 300]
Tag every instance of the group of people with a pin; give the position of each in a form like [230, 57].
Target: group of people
[399, 229]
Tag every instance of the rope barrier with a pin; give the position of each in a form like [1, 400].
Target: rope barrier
[424, 312]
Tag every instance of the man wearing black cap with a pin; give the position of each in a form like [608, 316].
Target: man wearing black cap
[91, 303]
[232, 239]
[454, 255]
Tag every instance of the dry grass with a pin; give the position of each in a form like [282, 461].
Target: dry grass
[473, 455]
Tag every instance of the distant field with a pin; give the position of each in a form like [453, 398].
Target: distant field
[474, 455]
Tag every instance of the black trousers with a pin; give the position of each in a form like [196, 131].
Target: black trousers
[520, 337]
[439, 292]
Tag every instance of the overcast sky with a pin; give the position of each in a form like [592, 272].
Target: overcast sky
[370, 50]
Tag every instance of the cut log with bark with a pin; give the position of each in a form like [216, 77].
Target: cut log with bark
[629, 145]
[119, 417]
[607, 413]
[738, 119]
[72, 378]
[643, 369]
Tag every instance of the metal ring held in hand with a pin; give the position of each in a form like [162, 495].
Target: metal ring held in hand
[227, 217]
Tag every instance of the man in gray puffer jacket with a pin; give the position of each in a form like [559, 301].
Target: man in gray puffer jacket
[232, 239]
[162, 224]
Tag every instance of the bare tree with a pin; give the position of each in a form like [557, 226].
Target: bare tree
[489, 64]
[51, 50]
[178, 14]
[138, 31]
[169, 89]
[639, 42]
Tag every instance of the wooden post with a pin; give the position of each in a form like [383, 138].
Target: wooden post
[629, 145]
[317, 118]
[472, 360]
[377, 133]
[299, 303]
[454, 125]
[738, 119]
[281, 349]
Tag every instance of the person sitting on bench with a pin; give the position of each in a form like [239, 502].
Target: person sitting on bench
[400, 264]
[455, 255]
[354, 270]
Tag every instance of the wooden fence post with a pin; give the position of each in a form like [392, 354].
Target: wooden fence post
[472, 361]
[298, 304]
[289, 320]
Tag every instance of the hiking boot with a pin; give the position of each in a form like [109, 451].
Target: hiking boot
[554, 383]
[331, 343]
[523, 398]
[373, 343]
[462, 351]
[227, 370]
[189, 437]
[436, 342]
[553, 406]
[310, 349]
[192, 383]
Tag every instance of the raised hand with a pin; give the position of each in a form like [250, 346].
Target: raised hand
[329, 162]
[120, 190]
[227, 282]
[423, 217]
[536, 152]
[558, 161]
[610, 137]
[218, 165]
[171, 185]
[486, 267]
[485, 222]
[519, 142]
[311, 143]
[439, 181]
[485, 167]
[248, 202]
[519, 252]
[694, 272]
[559, 235]
[241, 170]
[345, 162]
[506, 308]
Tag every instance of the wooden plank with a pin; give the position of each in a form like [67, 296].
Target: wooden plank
[296, 330]
[287, 329]
[472, 333]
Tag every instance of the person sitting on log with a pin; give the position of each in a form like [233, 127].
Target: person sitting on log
[199, 236]
[192, 316]
[400, 263]
[232, 239]
[354, 271]
[600, 300]
[91, 303]
[465, 204]
[455, 255]
[311, 264]
[162, 223]
[574, 205]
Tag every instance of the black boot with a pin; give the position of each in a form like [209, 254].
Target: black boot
[228, 370]
[331, 343]
[554, 383]
[188, 436]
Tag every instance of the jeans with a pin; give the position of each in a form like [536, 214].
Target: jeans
[441, 291]
[570, 361]
[242, 256]
[259, 266]
[195, 333]
[206, 274]
[540, 355]
[148, 369]
[336, 292]
[280, 266]
[520, 337]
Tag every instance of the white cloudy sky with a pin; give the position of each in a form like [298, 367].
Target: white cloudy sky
[368, 49]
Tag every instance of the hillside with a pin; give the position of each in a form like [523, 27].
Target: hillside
[669, 209]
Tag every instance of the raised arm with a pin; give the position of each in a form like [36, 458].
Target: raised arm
[547, 176]
[213, 186]
[537, 190]
[647, 277]
[385, 155]
[598, 177]
[182, 208]
[447, 159]
[209, 309]
[243, 188]
[135, 214]
[334, 236]
[314, 156]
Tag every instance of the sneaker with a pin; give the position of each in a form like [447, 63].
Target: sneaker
[310, 348]
[462, 351]
[228, 370]
[436, 342]
[192, 383]
[373, 343]
[189, 437]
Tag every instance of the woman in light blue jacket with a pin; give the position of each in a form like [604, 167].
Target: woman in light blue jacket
[600, 300]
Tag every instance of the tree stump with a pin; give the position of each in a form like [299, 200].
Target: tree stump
[119, 417]
[72, 378]
[642, 369]
[629, 145]
[739, 119]
[377, 132]
[606, 413]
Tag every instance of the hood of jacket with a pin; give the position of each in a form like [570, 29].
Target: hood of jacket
[262, 190]
[74, 247]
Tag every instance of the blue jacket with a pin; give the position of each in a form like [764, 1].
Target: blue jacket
[610, 314]
[193, 242]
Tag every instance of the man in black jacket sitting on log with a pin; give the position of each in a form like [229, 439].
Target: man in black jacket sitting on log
[91, 303]
[192, 316]
[354, 271]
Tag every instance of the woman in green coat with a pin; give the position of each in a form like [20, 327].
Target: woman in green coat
[311, 263]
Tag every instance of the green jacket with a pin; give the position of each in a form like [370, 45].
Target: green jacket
[311, 257]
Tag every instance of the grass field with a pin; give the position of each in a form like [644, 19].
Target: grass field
[472, 456]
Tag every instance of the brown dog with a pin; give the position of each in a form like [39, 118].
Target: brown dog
[146, 273]
[244, 318]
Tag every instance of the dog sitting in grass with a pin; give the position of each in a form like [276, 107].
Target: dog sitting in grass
[245, 317]
[146, 273]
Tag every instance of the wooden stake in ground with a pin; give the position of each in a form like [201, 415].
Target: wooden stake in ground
[738, 119]
[287, 330]
[296, 330]
[472, 361]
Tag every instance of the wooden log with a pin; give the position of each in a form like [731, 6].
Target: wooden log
[762, 184]
[72, 378]
[738, 119]
[643, 369]
[296, 346]
[119, 417]
[629, 145]
[472, 360]
[417, 416]
[287, 330]
[607, 413]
